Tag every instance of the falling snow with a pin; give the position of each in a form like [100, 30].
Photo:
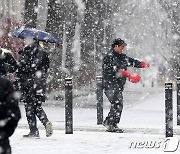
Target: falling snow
[86, 29]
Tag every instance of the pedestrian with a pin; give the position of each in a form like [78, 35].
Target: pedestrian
[33, 65]
[115, 73]
[7, 63]
[9, 113]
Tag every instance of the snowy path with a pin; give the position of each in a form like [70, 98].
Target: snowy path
[144, 121]
[81, 142]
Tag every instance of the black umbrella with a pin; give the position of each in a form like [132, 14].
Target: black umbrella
[35, 34]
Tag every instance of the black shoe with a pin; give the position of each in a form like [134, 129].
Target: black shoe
[115, 130]
[116, 126]
[119, 130]
[105, 123]
[110, 128]
[49, 129]
[32, 135]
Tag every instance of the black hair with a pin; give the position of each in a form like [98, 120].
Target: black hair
[119, 42]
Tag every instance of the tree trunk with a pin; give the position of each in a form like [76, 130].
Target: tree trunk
[55, 22]
[172, 9]
[70, 24]
[92, 38]
[30, 17]
[99, 26]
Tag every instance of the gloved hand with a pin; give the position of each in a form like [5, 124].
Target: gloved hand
[134, 78]
[143, 64]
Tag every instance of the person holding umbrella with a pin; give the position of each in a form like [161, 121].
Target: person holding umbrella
[115, 73]
[33, 65]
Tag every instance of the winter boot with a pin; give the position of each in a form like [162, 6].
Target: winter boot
[118, 129]
[105, 123]
[116, 126]
[49, 129]
[32, 135]
[110, 128]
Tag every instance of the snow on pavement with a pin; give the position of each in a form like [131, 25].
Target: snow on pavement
[85, 142]
[143, 123]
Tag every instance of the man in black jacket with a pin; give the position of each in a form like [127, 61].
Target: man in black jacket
[32, 68]
[115, 72]
[7, 63]
[9, 113]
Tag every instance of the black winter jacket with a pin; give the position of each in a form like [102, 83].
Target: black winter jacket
[32, 59]
[9, 110]
[7, 63]
[112, 62]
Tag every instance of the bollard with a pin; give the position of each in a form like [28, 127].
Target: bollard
[152, 84]
[178, 100]
[68, 106]
[99, 93]
[168, 110]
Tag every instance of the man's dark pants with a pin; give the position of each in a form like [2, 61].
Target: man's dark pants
[115, 97]
[32, 103]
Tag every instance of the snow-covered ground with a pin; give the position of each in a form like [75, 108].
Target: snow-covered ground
[143, 122]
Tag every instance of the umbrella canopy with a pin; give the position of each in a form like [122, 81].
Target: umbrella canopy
[39, 35]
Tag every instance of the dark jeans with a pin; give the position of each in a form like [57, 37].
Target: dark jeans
[115, 97]
[33, 108]
[33, 105]
[5, 146]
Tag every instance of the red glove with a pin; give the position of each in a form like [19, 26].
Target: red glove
[143, 64]
[134, 78]
[124, 73]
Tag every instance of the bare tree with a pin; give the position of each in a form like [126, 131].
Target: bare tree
[109, 27]
[70, 24]
[92, 37]
[55, 23]
[172, 9]
[30, 17]
[61, 21]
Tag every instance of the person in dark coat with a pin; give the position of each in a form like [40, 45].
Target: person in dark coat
[9, 113]
[33, 65]
[7, 63]
[115, 73]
